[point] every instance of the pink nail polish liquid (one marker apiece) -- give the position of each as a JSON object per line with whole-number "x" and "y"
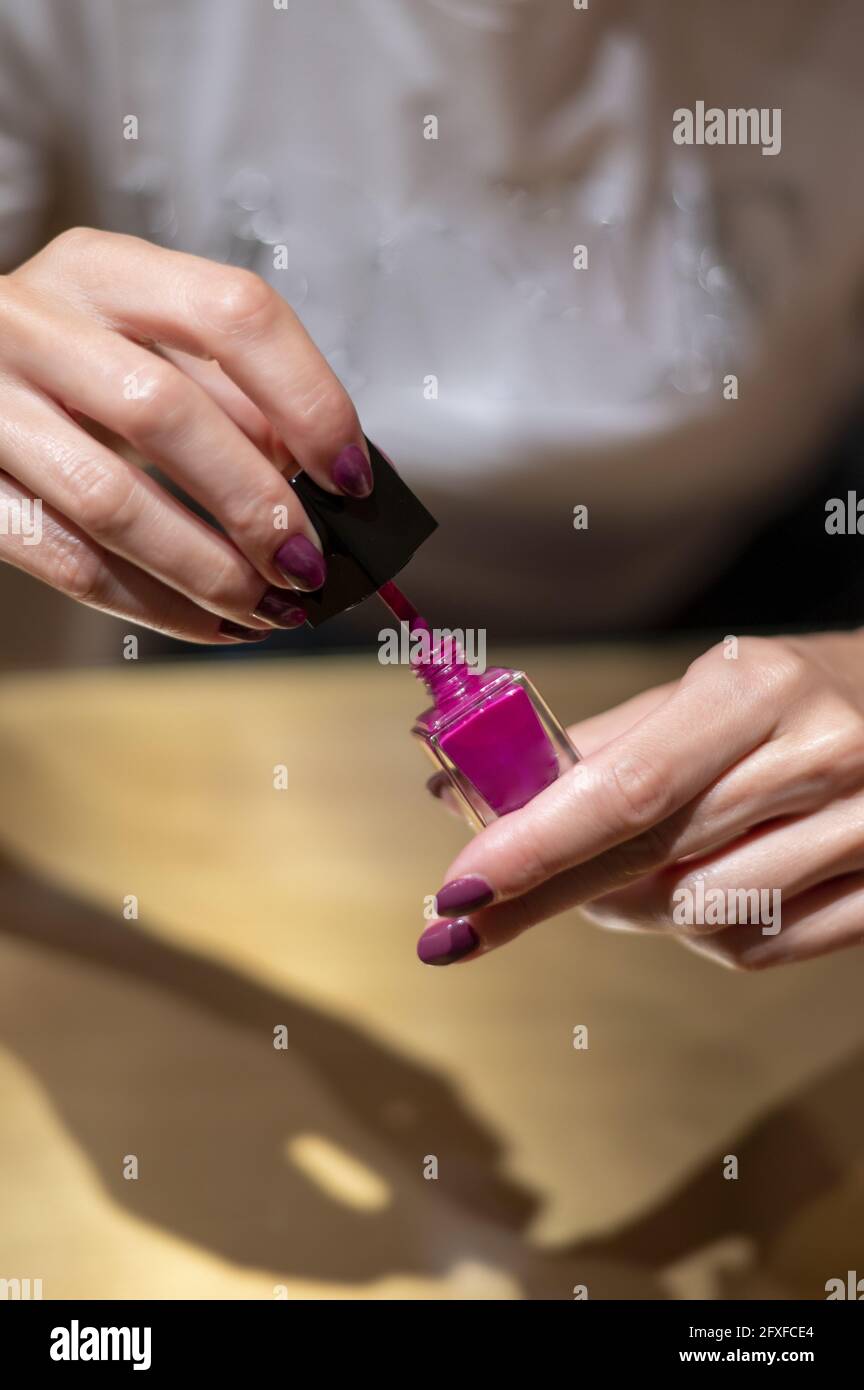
{"x": 492, "y": 734}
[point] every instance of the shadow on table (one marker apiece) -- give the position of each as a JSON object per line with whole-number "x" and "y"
{"x": 148, "y": 1049}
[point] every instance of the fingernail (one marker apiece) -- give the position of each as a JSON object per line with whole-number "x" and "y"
{"x": 441, "y": 788}
{"x": 445, "y": 942}
{"x": 240, "y": 633}
{"x": 352, "y": 472}
{"x": 301, "y": 562}
{"x": 277, "y": 608}
{"x": 463, "y": 895}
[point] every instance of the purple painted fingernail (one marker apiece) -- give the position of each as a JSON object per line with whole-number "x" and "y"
{"x": 441, "y": 788}
{"x": 240, "y": 633}
{"x": 301, "y": 562}
{"x": 444, "y": 942}
{"x": 463, "y": 895}
{"x": 277, "y": 608}
{"x": 352, "y": 472}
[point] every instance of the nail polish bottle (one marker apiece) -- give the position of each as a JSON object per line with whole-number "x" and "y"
{"x": 492, "y": 734}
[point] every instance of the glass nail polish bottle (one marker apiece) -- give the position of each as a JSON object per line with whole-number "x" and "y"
{"x": 492, "y": 734}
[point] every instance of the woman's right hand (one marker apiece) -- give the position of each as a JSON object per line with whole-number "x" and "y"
{"x": 206, "y": 372}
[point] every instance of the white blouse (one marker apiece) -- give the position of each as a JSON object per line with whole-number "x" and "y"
{"x": 416, "y": 177}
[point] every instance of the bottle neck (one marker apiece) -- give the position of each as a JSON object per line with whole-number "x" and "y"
{"x": 439, "y": 664}
{"x": 444, "y": 671}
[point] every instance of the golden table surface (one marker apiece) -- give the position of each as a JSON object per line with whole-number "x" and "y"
{"x": 298, "y": 1171}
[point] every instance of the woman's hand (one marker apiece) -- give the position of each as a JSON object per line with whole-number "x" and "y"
{"x": 726, "y": 810}
{"x": 207, "y": 373}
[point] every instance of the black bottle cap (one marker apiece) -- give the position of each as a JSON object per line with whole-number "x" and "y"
{"x": 365, "y": 541}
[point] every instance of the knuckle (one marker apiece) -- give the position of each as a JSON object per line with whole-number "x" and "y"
{"x": 764, "y": 668}
{"x": 75, "y": 241}
{"x": 774, "y": 663}
{"x": 640, "y": 792}
{"x": 102, "y": 497}
{"x": 704, "y": 663}
{"x": 157, "y": 403}
{"x": 756, "y": 651}
{"x": 239, "y": 304}
{"x": 78, "y": 571}
{"x": 837, "y": 761}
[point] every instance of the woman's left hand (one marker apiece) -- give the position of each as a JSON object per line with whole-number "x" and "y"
{"x": 726, "y": 809}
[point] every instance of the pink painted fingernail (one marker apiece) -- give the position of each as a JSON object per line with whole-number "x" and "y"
{"x": 446, "y": 942}
{"x": 279, "y": 608}
{"x": 464, "y": 894}
{"x": 301, "y": 562}
{"x": 352, "y": 472}
{"x": 238, "y": 633}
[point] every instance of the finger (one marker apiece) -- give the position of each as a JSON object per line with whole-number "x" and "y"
{"x": 627, "y": 789}
{"x": 783, "y": 860}
{"x": 229, "y": 315}
{"x": 123, "y": 509}
{"x": 174, "y": 423}
{"x": 756, "y": 878}
{"x": 61, "y": 555}
{"x": 439, "y": 786}
{"x": 827, "y": 918}
{"x": 237, "y": 406}
{"x": 485, "y": 928}
{"x": 470, "y": 936}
